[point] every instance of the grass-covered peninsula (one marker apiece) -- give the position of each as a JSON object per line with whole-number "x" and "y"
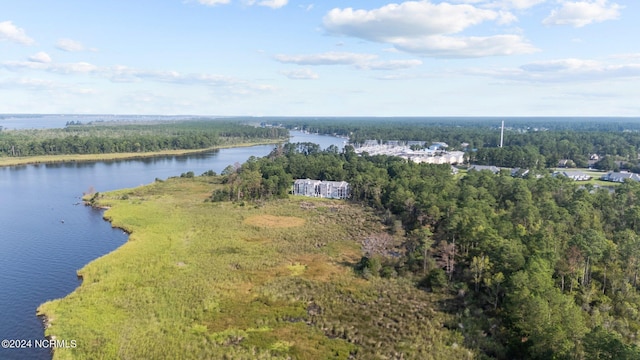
{"x": 214, "y": 280}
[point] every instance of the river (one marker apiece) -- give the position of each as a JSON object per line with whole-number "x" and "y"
{"x": 46, "y": 235}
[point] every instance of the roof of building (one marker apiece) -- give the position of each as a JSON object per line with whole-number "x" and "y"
{"x": 620, "y": 176}
{"x": 493, "y": 169}
{"x": 575, "y": 175}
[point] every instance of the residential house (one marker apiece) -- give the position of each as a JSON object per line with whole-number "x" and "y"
{"x": 334, "y": 189}
{"x": 493, "y": 169}
{"x": 573, "y": 175}
{"x": 323, "y": 189}
{"x": 620, "y": 176}
{"x": 518, "y": 172}
{"x": 306, "y": 187}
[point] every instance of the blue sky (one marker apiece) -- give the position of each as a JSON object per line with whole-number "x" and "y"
{"x": 328, "y": 58}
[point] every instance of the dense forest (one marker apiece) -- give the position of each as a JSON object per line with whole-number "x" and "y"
{"x": 116, "y": 137}
{"x": 535, "y": 268}
{"x": 528, "y": 142}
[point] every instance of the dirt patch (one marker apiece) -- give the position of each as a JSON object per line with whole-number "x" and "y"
{"x": 270, "y": 221}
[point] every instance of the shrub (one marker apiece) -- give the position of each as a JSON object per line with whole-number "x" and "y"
{"x": 436, "y": 279}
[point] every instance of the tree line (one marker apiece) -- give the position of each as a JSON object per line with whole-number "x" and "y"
{"x": 528, "y": 142}
{"x": 105, "y": 138}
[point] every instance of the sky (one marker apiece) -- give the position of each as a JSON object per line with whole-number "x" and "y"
{"x": 325, "y": 58}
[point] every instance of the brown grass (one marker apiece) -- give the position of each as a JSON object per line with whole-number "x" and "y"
{"x": 318, "y": 267}
{"x": 271, "y": 221}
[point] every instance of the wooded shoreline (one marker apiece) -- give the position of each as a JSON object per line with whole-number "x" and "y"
{"x": 53, "y": 159}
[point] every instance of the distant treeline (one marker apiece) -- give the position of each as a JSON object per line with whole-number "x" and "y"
{"x": 131, "y": 137}
{"x": 616, "y": 124}
{"x": 531, "y": 143}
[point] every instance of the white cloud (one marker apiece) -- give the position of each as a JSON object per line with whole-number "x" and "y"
{"x": 300, "y": 74}
{"x": 391, "y": 64}
{"x": 41, "y": 57}
{"x": 516, "y": 4}
{"x": 360, "y": 61}
{"x": 124, "y": 74}
{"x": 428, "y": 29}
{"x": 461, "y": 47}
{"x": 328, "y": 58}
{"x": 566, "y": 71}
{"x": 582, "y": 13}
{"x": 406, "y": 20}
{"x": 60, "y": 68}
{"x": 34, "y": 84}
{"x": 214, "y": 2}
{"x": 563, "y": 65}
{"x": 71, "y": 45}
{"x": 10, "y": 32}
{"x": 274, "y": 4}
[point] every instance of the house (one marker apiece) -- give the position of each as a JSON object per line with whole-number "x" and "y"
{"x": 306, "y": 187}
{"x": 455, "y": 157}
{"x": 564, "y": 163}
{"x": 594, "y": 157}
{"x": 573, "y": 175}
{"x": 620, "y": 176}
{"x": 323, "y": 189}
{"x": 493, "y": 169}
{"x": 334, "y": 189}
{"x": 518, "y": 172}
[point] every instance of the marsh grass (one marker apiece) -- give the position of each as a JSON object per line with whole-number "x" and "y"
{"x": 203, "y": 280}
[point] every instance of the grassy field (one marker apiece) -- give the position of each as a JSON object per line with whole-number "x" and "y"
{"x": 49, "y": 159}
{"x": 203, "y": 280}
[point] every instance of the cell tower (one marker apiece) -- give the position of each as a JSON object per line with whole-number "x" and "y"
{"x": 502, "y": 133}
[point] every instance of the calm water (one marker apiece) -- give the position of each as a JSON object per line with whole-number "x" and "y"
{"x": 46, "y": 236}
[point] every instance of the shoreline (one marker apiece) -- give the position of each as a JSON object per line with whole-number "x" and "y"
{"x": 53, "y": 159}
{"x": 52, "y": 310}
{"x": 41, "y": 312}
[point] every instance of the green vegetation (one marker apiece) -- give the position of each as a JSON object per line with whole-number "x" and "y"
{"x": 419, "y": 264}
{"x": 539, "y": 266}
{"x": 93, "y": 141}
{"x": 47, "y": 159}
{"x": 215, "y": 280}
{"x": 529, "y": 142}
